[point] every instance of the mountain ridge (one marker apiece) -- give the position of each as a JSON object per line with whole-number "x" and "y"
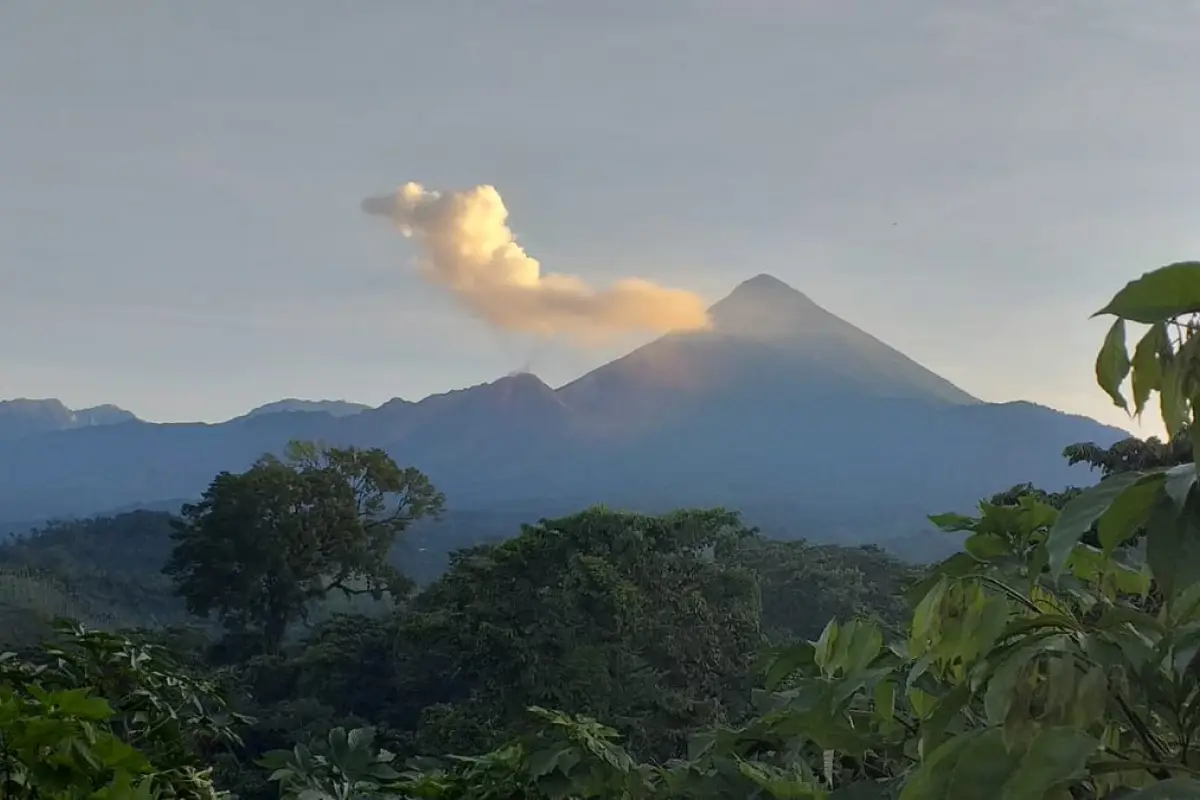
{"x": 780, "y": 404}
{"x": 25, "y": 416}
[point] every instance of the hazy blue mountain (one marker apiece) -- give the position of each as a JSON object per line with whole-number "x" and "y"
{"x": 24, "y": 417}
{"x": 337, "y": 408}
{"x": 809, "y": 425}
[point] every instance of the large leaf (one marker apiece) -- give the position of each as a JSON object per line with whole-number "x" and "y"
{"x": 1055, "y": 756}
{"x": 1173, "y": 789}
{"x": 951, "y": 522}
{"x": 1173, "y": 550}
{"x": 1112, "y": 363}
{"x": 782, "y": 664}
{"x": 1093, "y": 566}
{"x": 1147, "y": 364}
{"x": 983, "y": 767}
{"x": 931, "y": 781}
{"x": 1173, "y": 403}
{"x": 1081, "y": 514}
{"x": 1129, "y": 511}
{"x": 1162, "y": 294}
{"x": 1179, "y": 483}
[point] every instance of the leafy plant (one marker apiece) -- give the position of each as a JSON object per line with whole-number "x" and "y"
{"x": 59, "y": 745}
{"x": 145, "y": 701}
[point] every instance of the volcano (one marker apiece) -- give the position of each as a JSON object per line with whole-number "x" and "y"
{"x": 782, "y": 410}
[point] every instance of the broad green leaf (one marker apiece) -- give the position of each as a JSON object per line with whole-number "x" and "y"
{"x": 543, "y": 762}
{"x": 1055, "y": 757}
{"x": 1173, "y": 789}
{"x": 986, "y": 546}
{"x": 922, "y": 702}
{"x": 986, "y": 762}
{"x": 1002, "y": 687}
{"x": 925, "y": 618}
{"x": 824, "y": 649}
{"x": 1179, "y": 483}
{"x": 1036, "y": 514}
{"x": 948, "y": 707}
{"x": 857, "y": 681}
{"x": 785, "y": 662}
{"x": 1194, "y": 430}
{"x": 1147, "y": 364}
{"x": 1091, "y": 698}
{"x": 1184, "y": 610}
{"x": 1093, "y": 567}
{"x": 1080, "y": 514}
{"x": 1112, "y": 363}
{"x": 361, "y": 738}
{"x": 77, "y": 703}
{"x": 1185, "y": 646}
{"x": 885, "y": 700}
{"x": 1159, "y": 295}
{"x": 1173, "y": 550}
{"x": 1173, "y": 403}
{"x": 931, "y": 781}
{"x": 867, "y": 790}
{"x": 864, "y": 643}
{"x": 955, "y": 566}
{"x": 1129, "y": 511}
{"x": 951, "y": 522}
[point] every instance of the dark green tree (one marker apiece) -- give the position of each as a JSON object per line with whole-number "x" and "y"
{"x": 1133, "y": 454}
{"x": 644, "y": 621}
{"x": 262, "y": 546}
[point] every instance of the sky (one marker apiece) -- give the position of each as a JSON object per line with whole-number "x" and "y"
{"x": 180, "y": 184}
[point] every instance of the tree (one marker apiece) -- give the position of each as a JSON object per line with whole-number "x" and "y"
{"x": 803, "y": 586}
{"x": 642, "y": 621}
{"x": 262, "y": 546}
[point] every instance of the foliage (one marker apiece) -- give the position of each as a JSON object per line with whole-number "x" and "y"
{"x": 1133, "y": 455}
{"x": 262, "y": 546}
{"x": 133, "y": 543}
{"x": 565, "y": 757}
{"x": 638, "y": 620}
{"x": 108, "y": 712}
{"x": 803, "y": 586}
{"x": 57, "y": 745}
{"x": 104, "y": 572}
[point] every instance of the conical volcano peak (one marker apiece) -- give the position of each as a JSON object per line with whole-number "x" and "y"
{"x": 762, "y": 285}
{"x": 766, "y": 306}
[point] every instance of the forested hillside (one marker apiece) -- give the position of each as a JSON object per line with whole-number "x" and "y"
{"x": 272, "y": 641}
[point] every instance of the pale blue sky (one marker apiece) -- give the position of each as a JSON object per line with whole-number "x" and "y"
{"x": 179, "y": 182}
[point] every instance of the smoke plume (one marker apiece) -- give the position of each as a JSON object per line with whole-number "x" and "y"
{"x": 466, "y": 245}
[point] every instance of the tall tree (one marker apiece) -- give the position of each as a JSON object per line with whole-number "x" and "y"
{"x": 262, "y": 546}
{"x": 640, "y": 620}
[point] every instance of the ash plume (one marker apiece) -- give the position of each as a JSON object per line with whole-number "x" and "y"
{"x": 466, "y": 246}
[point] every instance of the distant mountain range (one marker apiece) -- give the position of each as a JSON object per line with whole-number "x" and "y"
{"x": 24, "y": 417}
{"x": 782, "y": 410}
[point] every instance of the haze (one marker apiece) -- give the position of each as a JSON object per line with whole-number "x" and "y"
{"x": 180, "y": 230}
